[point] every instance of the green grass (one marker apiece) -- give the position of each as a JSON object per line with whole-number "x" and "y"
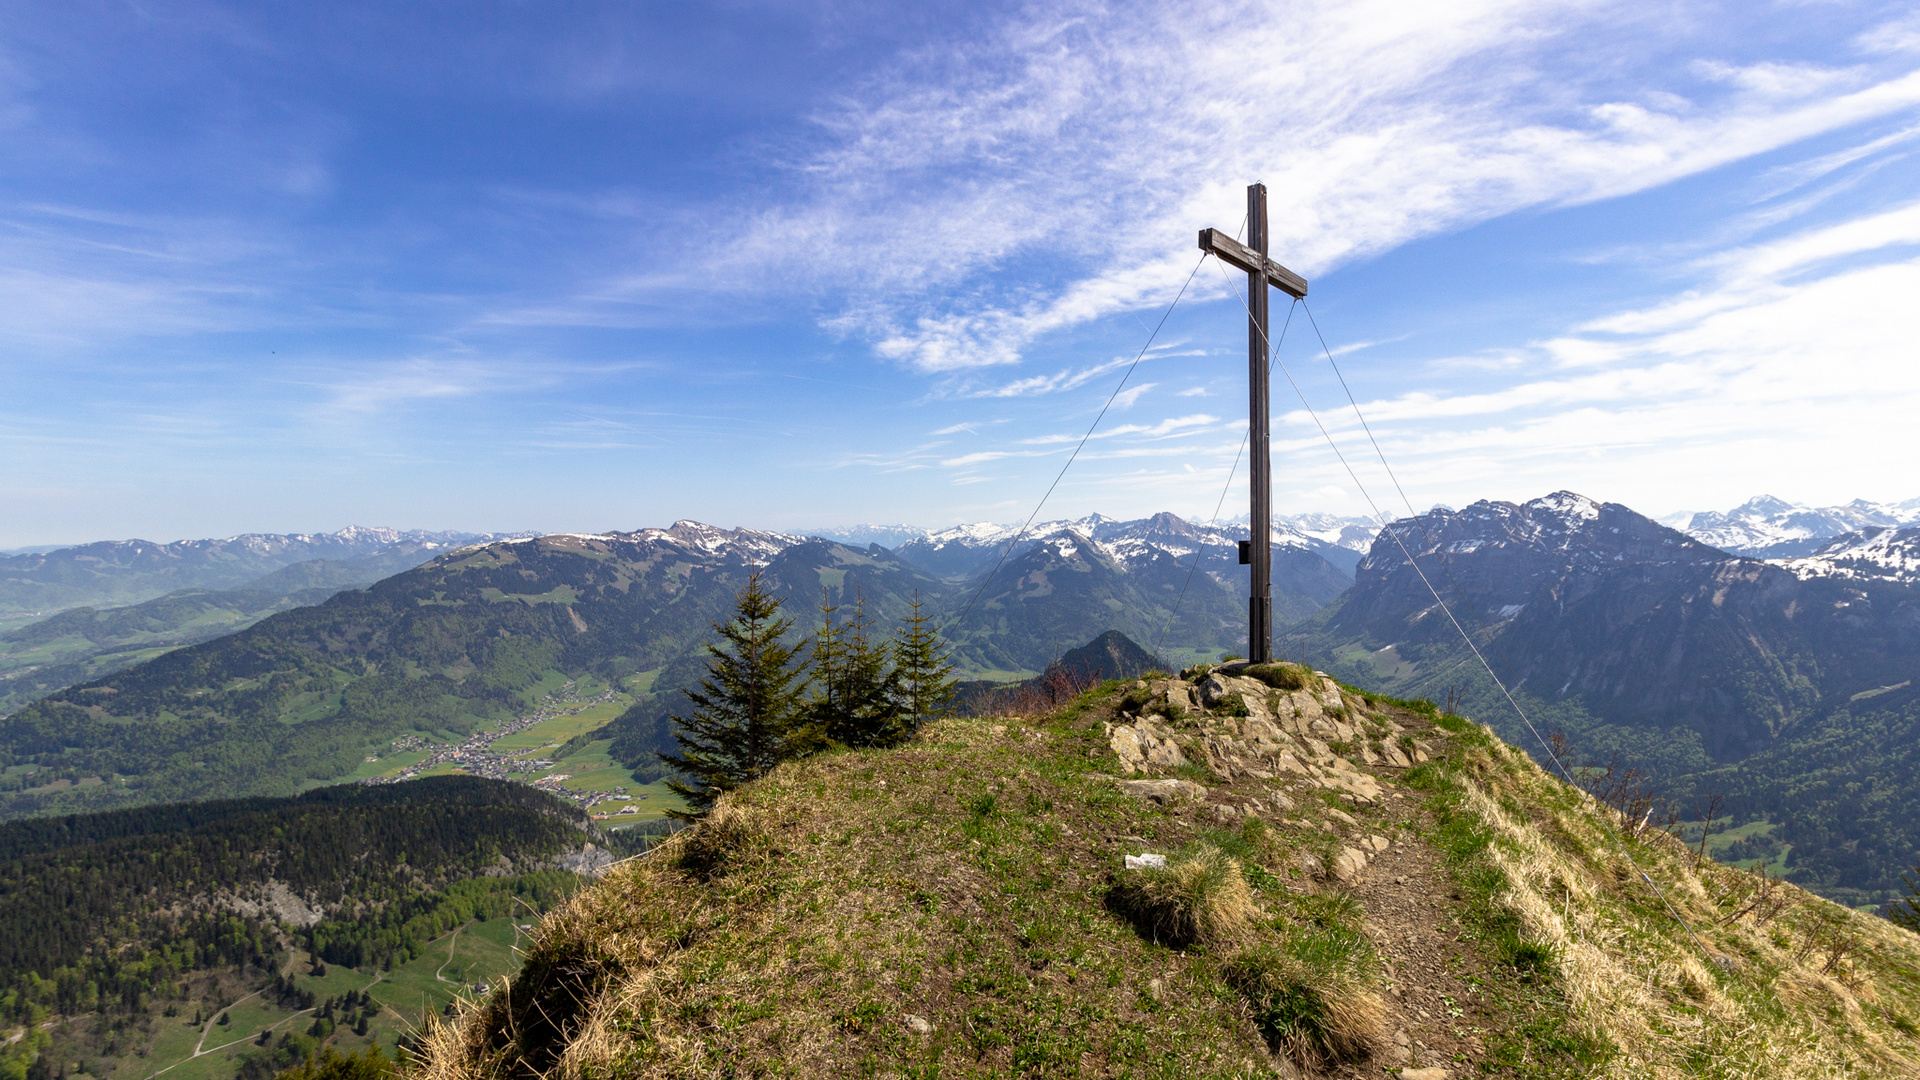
{"x": 561, "y": 728}
{"x": 387, "y": 765}
{"x": 478, "y": 953}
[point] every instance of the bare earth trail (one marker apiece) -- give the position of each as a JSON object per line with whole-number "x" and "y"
{"x": 452, "y": 940}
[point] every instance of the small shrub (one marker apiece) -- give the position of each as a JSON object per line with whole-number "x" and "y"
{"x": 1309, "y": 996}
{"x": 1280, "y": 676}
{"x": 1199, "y": 897}
{"x": 1235, "y": 706}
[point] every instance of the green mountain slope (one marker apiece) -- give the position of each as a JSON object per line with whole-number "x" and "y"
{"x": 447, "y": 648}
{"x": 86, "y": 643}
{"x": 1351, "y": 887}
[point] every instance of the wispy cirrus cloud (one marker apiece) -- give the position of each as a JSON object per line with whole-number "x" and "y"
{"x": 1176, "y": 425}
{"x": 1375, "y": 123}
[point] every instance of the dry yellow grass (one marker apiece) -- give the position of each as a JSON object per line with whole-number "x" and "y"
{"x": 1201, "y": 896}
{"x": 1811, "y": 990}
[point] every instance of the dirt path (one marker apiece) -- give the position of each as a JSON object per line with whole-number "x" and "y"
{"x": 452, "y": 940}
{"x": 1436, "y": 1012}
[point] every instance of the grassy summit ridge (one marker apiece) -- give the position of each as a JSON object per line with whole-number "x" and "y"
{"x": 1332, "y": 903}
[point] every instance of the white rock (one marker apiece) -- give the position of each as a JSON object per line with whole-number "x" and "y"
{"x": 919, "y": 1025}
{"x": 1348, "y": 864}
{"x": 1163, "y": 791}
{"x": 1148, "y": 861}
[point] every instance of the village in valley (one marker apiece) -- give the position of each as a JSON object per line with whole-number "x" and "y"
{"x": 549, "y": 748}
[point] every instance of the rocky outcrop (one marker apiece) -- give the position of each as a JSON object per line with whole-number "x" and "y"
{"x": 1236, "y": 726}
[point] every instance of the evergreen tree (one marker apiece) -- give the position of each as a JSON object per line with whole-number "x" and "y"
{"x": 1906, "y": 912}
{"x": 825, "y": 659}
{"x": 744, "y": 713}
{"x": 855, "y": 701}
{"x": 923, "y": 669}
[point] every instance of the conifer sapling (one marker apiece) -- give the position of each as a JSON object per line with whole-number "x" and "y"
{"x": 744, "y": 712}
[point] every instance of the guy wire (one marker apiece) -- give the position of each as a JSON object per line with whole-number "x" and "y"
{"x": 1200, "y": 549}
{"x": 1445, "y": 609}
{"x": 1005, "y": 551}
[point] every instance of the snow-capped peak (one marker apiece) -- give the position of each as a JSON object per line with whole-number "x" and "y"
{"x": 1568, "y": 506}
{"x": 1766, "y": 526}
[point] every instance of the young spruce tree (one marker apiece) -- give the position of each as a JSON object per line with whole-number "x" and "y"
{"x": 745, "y": 712}
{"x": 923, "y": 670}
{"x": 855, "y": 702}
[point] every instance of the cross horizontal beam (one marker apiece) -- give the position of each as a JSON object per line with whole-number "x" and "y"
{"x": 1236, "y": 254}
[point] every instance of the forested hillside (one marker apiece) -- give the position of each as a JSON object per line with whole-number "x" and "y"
{"x": 130, "y": 913}
{"x": 87, "y": 643}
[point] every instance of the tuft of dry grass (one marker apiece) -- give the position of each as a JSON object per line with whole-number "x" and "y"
{"x": 1311, "y": 996}
{"x": 731, "y": 839}
{"x": 1200, "y": 896}
{"x": 1280, "y": 676}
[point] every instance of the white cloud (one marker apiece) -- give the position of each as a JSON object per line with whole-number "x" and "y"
{"x": 1792, "y": 371}
{"x": 1373, "y": 123}
{"x": 1126, "y": 398}
{"x": 1178, "y": 425}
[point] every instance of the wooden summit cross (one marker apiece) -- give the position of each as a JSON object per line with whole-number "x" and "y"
{"x": 1261, "y": 272}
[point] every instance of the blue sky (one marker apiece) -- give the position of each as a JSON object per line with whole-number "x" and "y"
{"x": 578, "y": 267}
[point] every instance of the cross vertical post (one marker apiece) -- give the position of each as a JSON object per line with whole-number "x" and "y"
{"x": 1262, "y": 271}
{"x": 1260, "y": 520}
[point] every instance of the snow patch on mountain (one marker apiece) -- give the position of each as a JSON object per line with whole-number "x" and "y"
{"x": 1876, "y": 554}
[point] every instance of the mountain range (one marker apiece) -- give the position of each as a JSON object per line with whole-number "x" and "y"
{"x": 964, "y": 549}
{"x": 118, "y": 572}
{"x": 1765, "y": 527}
{"x": 458, "y": 643}
{"x": 1706, "y": 668}
{"x": 1710, "y": 671}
